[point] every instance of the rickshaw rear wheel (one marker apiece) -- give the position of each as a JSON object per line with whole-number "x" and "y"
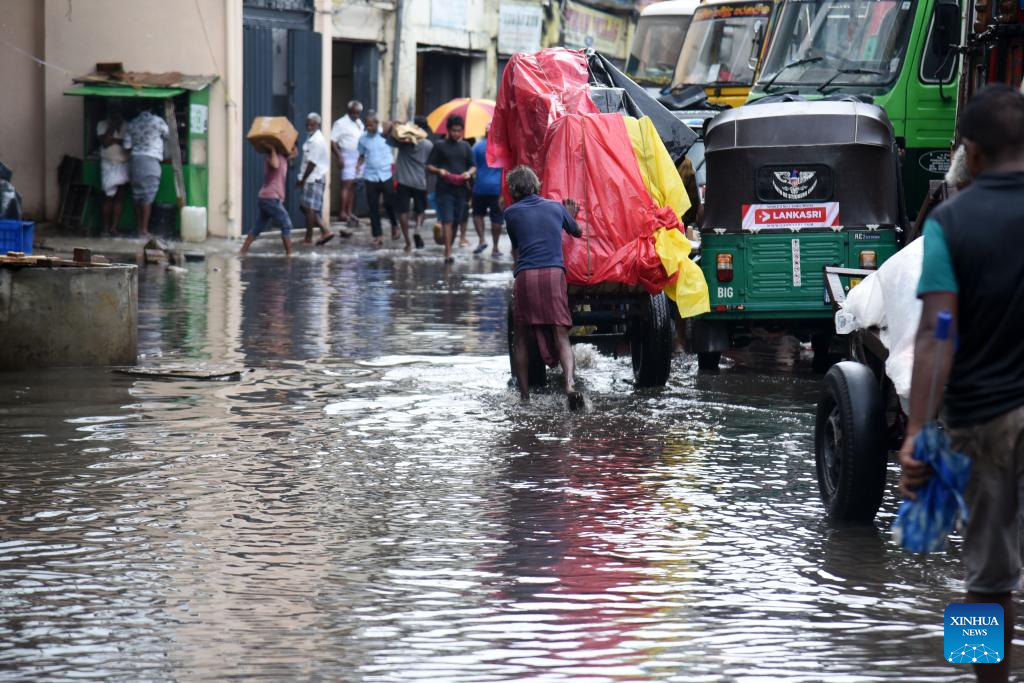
{"x": 538, "y": 373}
{"x": 651, "y": 340}
{"x": 850, "y": 452}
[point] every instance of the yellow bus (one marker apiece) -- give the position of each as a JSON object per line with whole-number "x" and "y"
{"x": 724, "y": 47}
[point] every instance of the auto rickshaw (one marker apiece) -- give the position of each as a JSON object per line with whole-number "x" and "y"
{"x": 792, "y": 187}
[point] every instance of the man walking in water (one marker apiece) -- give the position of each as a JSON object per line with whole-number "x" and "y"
{"x": 968, "y": 271}
{"x": 542, "y": 315}
{"x": 316, "y": 163}
{"x": 452, "y": 161}
{"x": 271, "y": 199}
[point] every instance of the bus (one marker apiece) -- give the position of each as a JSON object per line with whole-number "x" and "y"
{"x": 723, "y": 49}
{"x": 657, "y": 42}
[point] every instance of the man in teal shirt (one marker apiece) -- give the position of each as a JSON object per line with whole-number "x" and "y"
{"x": 974, "y": 268}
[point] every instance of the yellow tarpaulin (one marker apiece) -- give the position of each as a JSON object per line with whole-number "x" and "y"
{"x": 690, "y": 290}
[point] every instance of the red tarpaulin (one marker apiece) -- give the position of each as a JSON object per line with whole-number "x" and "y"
{"x": 590, "y": 159}
{"x": 536, "y": 89}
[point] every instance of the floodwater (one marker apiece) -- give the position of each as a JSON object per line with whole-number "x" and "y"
{"x": 372, "y": 503}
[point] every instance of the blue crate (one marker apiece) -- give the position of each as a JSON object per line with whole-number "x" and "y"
{"x": 16, "y": 236}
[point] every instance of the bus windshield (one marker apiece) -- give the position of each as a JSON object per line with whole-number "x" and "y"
{"x": 720, "y": 45}
{"x": 839, "y": 43}
{"x": 656, "y": 47}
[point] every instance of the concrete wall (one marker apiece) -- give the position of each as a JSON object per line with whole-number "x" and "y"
{"x": 148, "y": 35}
{"x": 97, "y": 309}
{"x": 21, "y": 101}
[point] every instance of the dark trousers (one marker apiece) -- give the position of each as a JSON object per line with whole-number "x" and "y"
{"x": 374, "y": 191}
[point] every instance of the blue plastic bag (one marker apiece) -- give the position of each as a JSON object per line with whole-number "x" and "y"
{"x": 922, "y": 525}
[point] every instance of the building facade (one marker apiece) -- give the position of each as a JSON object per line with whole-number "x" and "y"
{"x": 399, "y": 57}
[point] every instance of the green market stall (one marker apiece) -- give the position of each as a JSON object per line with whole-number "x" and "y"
{"x": 184, "y": 102}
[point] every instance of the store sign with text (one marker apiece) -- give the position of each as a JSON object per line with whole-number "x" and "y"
{"x": 519, "y": 28}
{"x": 794, "y": 216}
{"x": 448, "y": 14}
{"x": 587, "y": 27}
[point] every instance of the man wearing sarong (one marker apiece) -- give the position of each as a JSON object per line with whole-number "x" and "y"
{"x": 535, "y": 228}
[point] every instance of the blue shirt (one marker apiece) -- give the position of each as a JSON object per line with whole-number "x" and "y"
{"x": 488, "y": 179}
{"x": 535, "y": 228}
{"x": 378, "y": 156}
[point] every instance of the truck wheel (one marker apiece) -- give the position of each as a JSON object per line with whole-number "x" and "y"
{"x": 538, "y": 374}
{"x": 850, "y": 452}
{"x": 709, "y": 360}
{"x": 650, "y": 343}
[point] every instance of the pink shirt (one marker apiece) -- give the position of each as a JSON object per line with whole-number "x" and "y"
{"x": 274, "y": 178}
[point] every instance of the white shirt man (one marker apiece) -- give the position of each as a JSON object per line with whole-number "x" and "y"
{"x": 346, "y": 132}
{"x": 314, "y": 151}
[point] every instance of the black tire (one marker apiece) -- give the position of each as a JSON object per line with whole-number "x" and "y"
{"x": 850, "y": 443}
{"x": 709, "y": 360}
{"x": 538, "y": 373}
{"x": 651, "y": 342}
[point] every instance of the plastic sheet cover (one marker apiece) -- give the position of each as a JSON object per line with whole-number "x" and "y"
{"x": 590, "y": 159}
{"x": 536, "y": 90}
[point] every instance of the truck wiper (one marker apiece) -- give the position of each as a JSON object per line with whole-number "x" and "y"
{"x": 798, "y": 62}
{"x": 840, "y": 71}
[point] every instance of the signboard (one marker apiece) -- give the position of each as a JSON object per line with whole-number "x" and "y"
{"x": 794, "y": 216}
{"x": 587, "y": 27}
{"x": 448, "y": 14}
{"x": 198, "y": 115}
{"x": 519, "y": 28}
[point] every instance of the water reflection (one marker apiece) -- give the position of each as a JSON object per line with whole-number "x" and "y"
{"x": 372, "y": 503}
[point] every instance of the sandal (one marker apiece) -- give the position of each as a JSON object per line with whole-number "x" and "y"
{"x": 325, "y": 239}
{"x": 418, "y": 240}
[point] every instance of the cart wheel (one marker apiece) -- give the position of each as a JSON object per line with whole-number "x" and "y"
{"x": 709, "y": 360}
{"x": 850, "y": 451}
{"x": 538, "y": 374}
{"x": 650, "y": 343}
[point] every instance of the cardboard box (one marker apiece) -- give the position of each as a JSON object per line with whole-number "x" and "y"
{"x": 277, "y": 130}
{"x": 408, "y": 132}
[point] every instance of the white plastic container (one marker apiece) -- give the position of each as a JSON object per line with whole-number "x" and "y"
{"x": 193, "y": 224}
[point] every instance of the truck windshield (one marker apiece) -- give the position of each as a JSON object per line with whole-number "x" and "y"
{"x": 720, "y": 43}
{"x": 837, "y": 43}
{"x": 656, "y": 47}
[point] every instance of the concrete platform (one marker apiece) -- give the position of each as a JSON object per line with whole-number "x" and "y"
{"x": 68, "y": 316}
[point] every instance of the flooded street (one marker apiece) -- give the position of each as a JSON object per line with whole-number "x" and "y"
{"x": 372, "y": 503}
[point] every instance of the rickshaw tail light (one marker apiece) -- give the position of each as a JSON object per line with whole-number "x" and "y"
{"x": 868, "y": 260}
{"x": 723, "y": 267}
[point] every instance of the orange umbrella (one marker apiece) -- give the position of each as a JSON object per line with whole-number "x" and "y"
{"x": 477, "y": 114}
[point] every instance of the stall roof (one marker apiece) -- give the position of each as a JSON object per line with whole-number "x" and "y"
{"x": 111, "y": 80}
{"x": 123, "y": 91}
